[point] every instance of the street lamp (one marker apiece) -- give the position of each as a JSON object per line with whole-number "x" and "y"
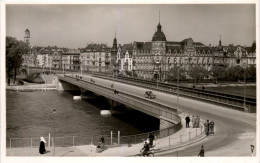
{"x": 54, "y": 112}
{"x": 178, "y": 86}
{"x": 245, "y": 109}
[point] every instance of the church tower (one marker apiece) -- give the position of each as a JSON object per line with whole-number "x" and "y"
{"x": 114, "y": 52}
{"x": 27, "y": 37}
{"x": 159, "y": 53}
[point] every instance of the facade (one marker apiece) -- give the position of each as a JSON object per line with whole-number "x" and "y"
{"x": 70, "y": 60}
{"x": 125, "y": 58}
{"x": 95, "y": 58}
{"x": 153, "y": 60}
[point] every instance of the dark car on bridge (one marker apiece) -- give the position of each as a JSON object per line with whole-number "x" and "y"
{"x": 149, "y": 94}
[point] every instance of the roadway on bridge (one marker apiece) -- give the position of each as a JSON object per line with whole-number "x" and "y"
{"x": 235, "y": 131}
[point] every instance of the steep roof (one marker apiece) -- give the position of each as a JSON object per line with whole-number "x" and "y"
{"x": 143, "y": 45}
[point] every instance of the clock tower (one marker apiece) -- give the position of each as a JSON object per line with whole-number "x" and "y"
{"x": 159, "y": 53}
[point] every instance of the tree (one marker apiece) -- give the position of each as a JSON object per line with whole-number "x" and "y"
{"x": 218, "y": 72}
{"x": 173, "y": 73}
{"x": 197, "y": 73}
{"x": 251, "y": 72}
{"x": 14, "y": 51}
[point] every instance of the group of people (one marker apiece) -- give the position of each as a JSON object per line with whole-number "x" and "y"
{"x": 195, "y": 121}
{"x": 209, "y": 127}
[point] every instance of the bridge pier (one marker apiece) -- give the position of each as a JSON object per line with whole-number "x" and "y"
{"x": 112, "y": 104}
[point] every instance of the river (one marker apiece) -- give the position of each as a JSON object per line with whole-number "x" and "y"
{"x": 29, "y": 114}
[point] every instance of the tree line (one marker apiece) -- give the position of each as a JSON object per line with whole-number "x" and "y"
{"x": 217, "y": 73}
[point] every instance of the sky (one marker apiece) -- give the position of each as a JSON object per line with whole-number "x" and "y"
{"x": 75, "y": 26}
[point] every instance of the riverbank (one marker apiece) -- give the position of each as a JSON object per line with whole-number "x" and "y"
{"x": 33, "y": 87}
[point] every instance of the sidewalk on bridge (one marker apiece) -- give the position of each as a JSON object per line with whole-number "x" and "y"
{"x": 123, "y": 150}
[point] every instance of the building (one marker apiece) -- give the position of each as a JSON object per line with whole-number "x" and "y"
{"x": 125, "y": 58}
{"x": 27, "y": 37}
{"x": 70, "y": 60}
{"x": 95, "y": 58}
{"x": 153, "y": 60}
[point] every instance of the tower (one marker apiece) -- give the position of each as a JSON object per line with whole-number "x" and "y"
{"x": 27, "y": 37}
{"x": 114, "y": 52}
{"x": 159, "y": 52}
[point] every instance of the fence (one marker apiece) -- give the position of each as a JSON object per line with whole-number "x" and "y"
{"x": 111, "y": 140}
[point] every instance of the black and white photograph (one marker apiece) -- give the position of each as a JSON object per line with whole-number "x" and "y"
{"x": 129, "y": 80}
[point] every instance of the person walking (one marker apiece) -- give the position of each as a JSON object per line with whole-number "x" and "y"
{"x": 206, "y": 125}
{"x": 201, "y": 154}
{"x": 211, "y": 127}
{"x": 42, "y": 149}
{"x": 193, "y": 121}
{"x": 187, "y": 121}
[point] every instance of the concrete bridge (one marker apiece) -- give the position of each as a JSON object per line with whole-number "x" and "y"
{"x": 167, "y": 114}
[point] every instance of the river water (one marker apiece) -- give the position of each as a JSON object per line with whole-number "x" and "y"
{"x": 29, "y": 114}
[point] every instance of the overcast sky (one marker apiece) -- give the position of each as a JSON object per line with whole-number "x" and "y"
{"x": 75, "y": 26}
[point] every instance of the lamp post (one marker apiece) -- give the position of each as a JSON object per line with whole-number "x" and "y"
{"x": 157, "y": 76}
{"x": 178, "y": 87}
{"x": 81, "y": 68}
{"x": 28, "y": 70}
{"x": 245, "y": 109}
{"x": 50, "y": 63}
{"x": 54, "y": 112}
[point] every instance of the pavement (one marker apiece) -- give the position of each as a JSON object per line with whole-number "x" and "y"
{"x": 186, "y": 135}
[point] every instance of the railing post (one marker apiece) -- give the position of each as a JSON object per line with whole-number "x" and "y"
{"x": 169, "y": 141}
{"x": 111, "y": 137}
{"x": 10, "y": 143}
{"x": 49, "y": 141}
{"x": 118, "y": 137}
{"x": 91, "y": 139}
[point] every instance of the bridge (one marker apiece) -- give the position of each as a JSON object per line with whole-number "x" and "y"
{"x": 167, "y": 114}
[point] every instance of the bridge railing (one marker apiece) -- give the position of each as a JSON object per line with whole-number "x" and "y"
{"x": 225, "y": 100}
{"x": 148, "y": 106}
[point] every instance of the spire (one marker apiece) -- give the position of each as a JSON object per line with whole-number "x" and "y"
{"x": 159, "y": 16}
{"x": 220, "y": 40}
{"x": 115, "y": 31}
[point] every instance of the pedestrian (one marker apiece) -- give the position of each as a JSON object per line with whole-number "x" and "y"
{"x": 211, "y": 127}
{"x": 102, "y": 139}
{"x": 203, "y": 87}
{"x": 115, "y": 91}
{"x": 42, "y": 149}
{"x": 151, "y": 139}
{"x": 206, "y": 125}
{"x": 201, "y": 154}
{"x": 197, "y": 122}
{"x": 193, "y": 121}
{"x": 187, "y": 121}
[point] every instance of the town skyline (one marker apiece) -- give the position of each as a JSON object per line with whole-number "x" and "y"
{"x": 50, "y": 25}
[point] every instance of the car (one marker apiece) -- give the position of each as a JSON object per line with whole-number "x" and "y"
{"x": 149, "y": 94}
